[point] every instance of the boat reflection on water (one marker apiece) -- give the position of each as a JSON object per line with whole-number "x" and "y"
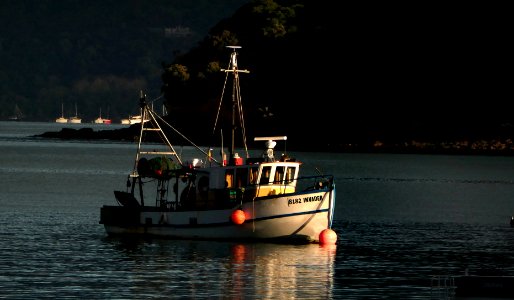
{"x": 225, "y": 270}
{"x": 282, "y": 271}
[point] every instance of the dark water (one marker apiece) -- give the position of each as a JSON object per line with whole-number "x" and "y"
{"x": 400, "y": 220}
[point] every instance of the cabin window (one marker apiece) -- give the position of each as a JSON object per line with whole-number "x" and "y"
{"x": 229, "y": 178}
{"x": 290, "y": 174}
{"x": 266, "y": 172}
{"x": 279, "y": 174}
{"x": 241, "y": 177}
{"x": 253, "y": 171}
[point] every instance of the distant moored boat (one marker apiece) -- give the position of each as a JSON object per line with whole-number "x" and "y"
{"x": 99, "y": 120}
{"x": 75, "y": 119}
{"x": 61, "y": 119}
{"x": 18, "y": 115}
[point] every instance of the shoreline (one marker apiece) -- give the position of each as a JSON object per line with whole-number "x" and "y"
{"x": 484, "y": 147}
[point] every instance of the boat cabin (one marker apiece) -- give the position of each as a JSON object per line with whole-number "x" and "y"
{"x": 205, "y": 186}
{"x": 267, "y": 178}
{"x": 240, "y": 181}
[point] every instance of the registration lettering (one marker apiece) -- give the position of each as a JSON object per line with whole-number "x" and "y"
{"x": 304, "y": 200}
{"x": 294, "y": 201}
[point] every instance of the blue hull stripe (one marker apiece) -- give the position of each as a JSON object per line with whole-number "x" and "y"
{"x": 228, "y": 223}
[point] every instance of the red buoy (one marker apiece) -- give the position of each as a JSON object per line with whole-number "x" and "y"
{"x": 327, "y": 236}
{"x": 238, "y": 217}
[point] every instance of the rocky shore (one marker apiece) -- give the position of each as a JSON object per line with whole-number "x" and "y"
{"x": 123, "y": 134}
{"x": 503, "y": 147}
{"x": 499, "y": 146}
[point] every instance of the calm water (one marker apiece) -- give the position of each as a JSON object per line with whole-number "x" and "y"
{"x": 400, "y": 219}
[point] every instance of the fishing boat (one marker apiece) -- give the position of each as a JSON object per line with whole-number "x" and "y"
{"x": 255, "y": 198}
{"x": 62, "y": 119}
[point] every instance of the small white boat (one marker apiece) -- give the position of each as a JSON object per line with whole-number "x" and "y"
{"x": 99, "y": 120}
{"x": 133, "y": 120}
{"x": 61, "y": 119}
{"x": 75, "y": 119}
{"x": 136, "y": 119}
{"x": 261, "y": 198}
{"x": 18, "y": 115}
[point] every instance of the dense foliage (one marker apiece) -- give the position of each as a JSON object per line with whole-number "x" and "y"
{"x": 344, "y": 74}
{"x": 285, "y": 45}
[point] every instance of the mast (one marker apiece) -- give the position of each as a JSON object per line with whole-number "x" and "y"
{"x": 236, "y": 98}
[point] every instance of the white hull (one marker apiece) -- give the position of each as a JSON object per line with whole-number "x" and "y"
{"x": 132, "y": 120}
{"x": 61, "y": 119}
{"x": 268, "y": 219}
{"x": 101, "y": 120}
{"x": 136, "y": 120}
{"x": 75, "y": 120}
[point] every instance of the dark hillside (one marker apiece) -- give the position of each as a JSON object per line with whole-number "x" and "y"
{"x": 353, "y": 76}
{"x": 96, "y": 54}
{"x": 361, "y": 74}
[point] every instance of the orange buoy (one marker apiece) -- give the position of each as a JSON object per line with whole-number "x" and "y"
{"x": 327, "y": 236}
{"x": 238, "y": 217}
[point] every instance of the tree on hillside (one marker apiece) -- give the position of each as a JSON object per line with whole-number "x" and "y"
{"x": 272, "y": 35}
